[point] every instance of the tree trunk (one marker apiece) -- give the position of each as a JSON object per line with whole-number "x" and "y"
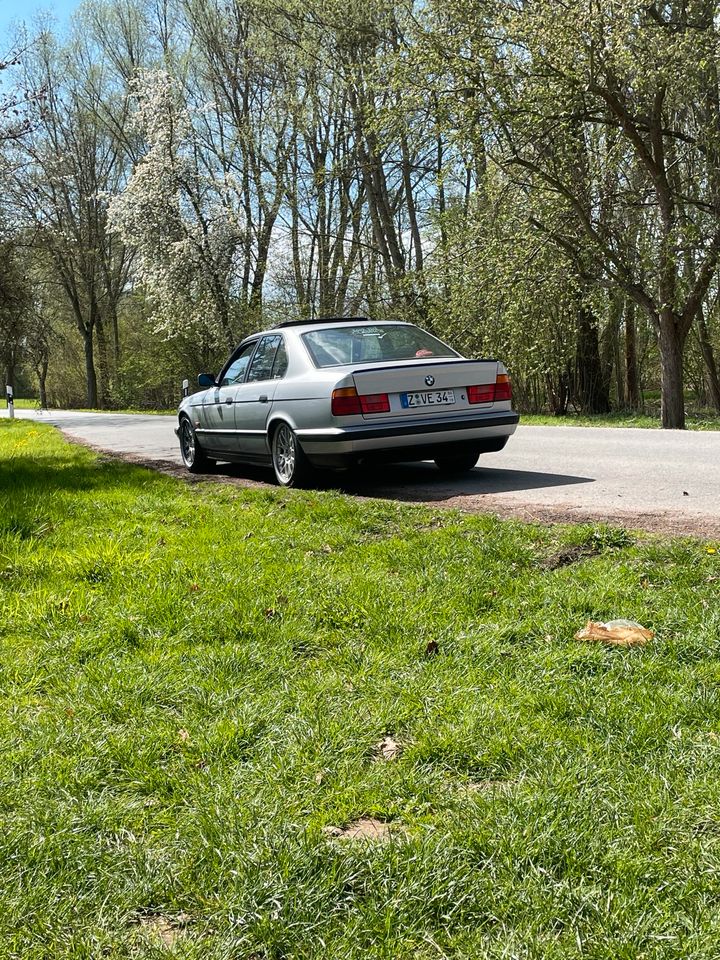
{"x": 711, "y": 370}
{"x": 672, "y": 400}
{"x": 558, "y": 394}
{"x": 90, "y": 375}
{"x": 10, "y": 372}
{"x": 632, "y": 379}
{"x": 609, "y": 349}
{"x": 116, "y": 344}
{"x": 592, "y": 389}
{"x": 103, "y": 362}
{"x": 41, "y": 370}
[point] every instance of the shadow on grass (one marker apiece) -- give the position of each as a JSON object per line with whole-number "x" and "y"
{"x": 24, "y": 476}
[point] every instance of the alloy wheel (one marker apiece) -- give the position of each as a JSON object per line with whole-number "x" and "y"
{"x": 187, "y": 443}
{"x": 284, "y": 453}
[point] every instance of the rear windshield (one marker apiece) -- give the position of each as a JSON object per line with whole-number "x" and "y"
{"x": 335, "y": 346}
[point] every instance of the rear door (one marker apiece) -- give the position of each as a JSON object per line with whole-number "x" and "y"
{"x": 254, "y": 398}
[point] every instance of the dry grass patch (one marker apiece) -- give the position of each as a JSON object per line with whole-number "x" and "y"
{"x": 366, "y": 828}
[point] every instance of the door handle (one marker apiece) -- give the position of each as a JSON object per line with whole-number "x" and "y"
{"x": 228, "y": 400}
{"x": 263, "y": 398}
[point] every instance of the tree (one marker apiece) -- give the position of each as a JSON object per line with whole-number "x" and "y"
{"x": 180, "y": 221}
{"x": 14, "y": 307}
{"x": 635, "y": 86}
{"x": 66, "y": 160}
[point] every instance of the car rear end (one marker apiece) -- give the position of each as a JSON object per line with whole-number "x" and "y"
{"x": 420, "y": 407}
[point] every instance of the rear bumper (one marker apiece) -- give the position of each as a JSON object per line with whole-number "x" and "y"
{"x": 349, "y": 441}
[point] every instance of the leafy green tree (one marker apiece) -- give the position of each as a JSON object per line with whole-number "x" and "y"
{"x": 571, "y": 91}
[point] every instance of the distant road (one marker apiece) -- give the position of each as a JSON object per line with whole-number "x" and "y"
{"x": 654, "y": 479}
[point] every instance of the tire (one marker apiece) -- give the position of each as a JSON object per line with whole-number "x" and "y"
{"x": 292, "y": 468}
{"x": 458, "y": 462}
{"x": 193, "y": 455}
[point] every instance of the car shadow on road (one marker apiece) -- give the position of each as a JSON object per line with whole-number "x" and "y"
{"x": 418, "y": 482}
{"x": 423, "y": 482}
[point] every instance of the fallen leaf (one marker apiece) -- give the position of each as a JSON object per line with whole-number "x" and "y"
{"x": 388, "y": 749}
{"x": 183, "y": 735}
{"x": 617, "y": 633}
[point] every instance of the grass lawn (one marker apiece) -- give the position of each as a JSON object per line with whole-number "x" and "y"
{"x": 30, "y": 404}
{"x": 619, "y": 419}
{"x": 195, "y": 681}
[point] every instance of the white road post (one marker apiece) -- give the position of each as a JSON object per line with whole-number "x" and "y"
{"x": 10, "y": 401}
{"x": 186, "y": 387}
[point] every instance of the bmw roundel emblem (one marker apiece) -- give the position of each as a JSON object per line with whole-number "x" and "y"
{"x": 429, "y": 380}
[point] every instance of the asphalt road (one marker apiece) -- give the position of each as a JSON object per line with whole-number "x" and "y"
{"x": 652, "y": 479}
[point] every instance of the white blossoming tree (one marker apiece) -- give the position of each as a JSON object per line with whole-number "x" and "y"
{"x": 178, "y": 216}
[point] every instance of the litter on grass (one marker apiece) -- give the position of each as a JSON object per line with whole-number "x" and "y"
{"x": 616, "y": 633}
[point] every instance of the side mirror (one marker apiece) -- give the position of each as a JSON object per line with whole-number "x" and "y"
{"x": 206, "y": 380}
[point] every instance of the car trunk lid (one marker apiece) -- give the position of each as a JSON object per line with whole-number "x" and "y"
{"x": 425, "y": 388}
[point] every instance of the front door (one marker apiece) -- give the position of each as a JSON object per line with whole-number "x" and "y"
{"x": 218, "y": 414}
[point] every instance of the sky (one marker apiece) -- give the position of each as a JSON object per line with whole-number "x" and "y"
{"x": 11, "y": 10}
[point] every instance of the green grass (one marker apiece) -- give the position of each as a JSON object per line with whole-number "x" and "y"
{"x": 618, "y": 419}
{"x": 31, "y": 404}
{"x": 194, "y": 679}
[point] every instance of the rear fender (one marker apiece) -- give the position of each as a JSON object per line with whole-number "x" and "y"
{"x": 280, "y": 417}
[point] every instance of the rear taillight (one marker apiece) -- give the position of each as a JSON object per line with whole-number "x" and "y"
{"x": 375, "y": 403}
{"x": 484, "y": 393}
{"x": 491, "y": 392}
{"x": 503, "y": 387}
{"x": 346, "y": 402}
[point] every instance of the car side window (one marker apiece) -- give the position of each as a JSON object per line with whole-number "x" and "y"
{"x": 261, "y": 367}
{"x": 235, "y": 373}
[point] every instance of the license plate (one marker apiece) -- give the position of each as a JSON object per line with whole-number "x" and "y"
{"x": 427, "y": 398}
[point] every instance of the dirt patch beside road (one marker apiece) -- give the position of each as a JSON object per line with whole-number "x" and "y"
{"x": 661, "y": 522}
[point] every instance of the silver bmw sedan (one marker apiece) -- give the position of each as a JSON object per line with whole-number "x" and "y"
{"x": 328, "y": 394}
